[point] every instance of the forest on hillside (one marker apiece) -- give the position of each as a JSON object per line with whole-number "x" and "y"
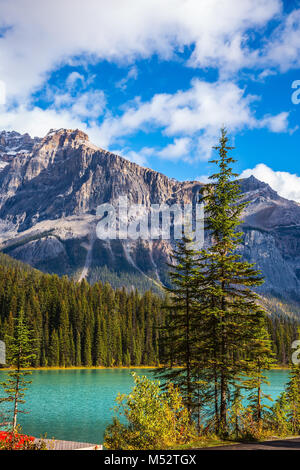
{"x": 96, "y": 325}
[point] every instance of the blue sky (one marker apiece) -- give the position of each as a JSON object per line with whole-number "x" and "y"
{"x": 154, "y": 81}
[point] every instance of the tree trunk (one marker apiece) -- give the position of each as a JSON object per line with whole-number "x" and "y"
{"x": 216, "y": 402}
{"x": 188, "y": 355}
{"x": 259, "y": 403}
{"x": 16, "y": 406}
{"x": 223, "y": 405}
{"x": 223, "y": 381}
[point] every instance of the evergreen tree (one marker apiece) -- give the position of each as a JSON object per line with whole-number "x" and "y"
{"x": 60, "y": 312}
{"x": 293, "y": 397}
{"x": 78, "y": 350}
{"x": 54, "y": 349}
{"x": 260, "y": 359}
{"x": 230, "y": 318}
{"x": 179, "y": 328}
{"x": 20, "y": 355}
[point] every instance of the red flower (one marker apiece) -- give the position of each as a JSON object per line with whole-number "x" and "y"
{"x": 15, "y": 441}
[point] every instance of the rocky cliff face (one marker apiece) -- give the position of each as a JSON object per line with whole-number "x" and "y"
{"x": 50, "y": 189}
{"x": 12, "y": 143}
{"x": 272, "y": 238}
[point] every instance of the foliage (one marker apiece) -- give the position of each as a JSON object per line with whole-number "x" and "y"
{"x": 20, "y": 353}
{"x": 260, "y": 359}
{"x": 293, "y": 396}
{"x": 284, "y": 416}
{"x": 17, "y": 441}
{"x": 216, "y": 327}
{"x": 156, "y": 419}
{"x": 232, "y": 321}
{"x": 180, "y": 331}
{"x": 79, "y": 324}
{"x": 277, "y": 417}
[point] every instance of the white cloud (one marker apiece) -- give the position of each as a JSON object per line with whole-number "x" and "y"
{"x": 132, "y": 75}
{"x": 88, "y": 105}
{"x": 203, "y": 179}
{"x": 282, "y": 49}
{"x": 265, "y": 74}
{"x": 37, "y": 121}
{"x": 286, "y": 184}
{"x": 74, "y": 77}
{"x": 74, "y": 98}
{"x": 180, "y": 148}
{"x": 41, "y": 35}
{"x": 139, "y": 157}
{"x": 277, "y": 123}
{"x": 198, "y": 112}
{"x": 191, "y": 118}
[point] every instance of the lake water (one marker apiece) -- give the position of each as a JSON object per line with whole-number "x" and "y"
{"x": 77, "y": 405}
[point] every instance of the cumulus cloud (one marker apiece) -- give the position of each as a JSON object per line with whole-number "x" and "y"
{"x": 37, "y": 121}
{"x": 203, "y": 179}
{"x": 286, "y": 184}
{"x": 90, "y": 104}
{"x": 139, "y": 157}
{"x": 73, "y": 78}
{"x": 131, "y": 75}
{"x": 39, "y": 36}
{"x": 198, "y": 112}
{"x": 180, "y": 148}
{"x": 282, "y": 49}
{"x": 277, "y": 123}
{"x": 190, "y": 118}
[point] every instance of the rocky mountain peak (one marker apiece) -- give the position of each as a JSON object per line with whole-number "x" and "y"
{"x": 253, "y": 184}
{"x": 13, "y": 143}
{"x": 63, "y": 138}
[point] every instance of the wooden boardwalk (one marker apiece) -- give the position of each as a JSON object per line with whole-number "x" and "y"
{"x": 54, "y": 444}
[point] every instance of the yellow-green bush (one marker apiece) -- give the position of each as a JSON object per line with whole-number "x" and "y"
{"x": 155, "y": 419}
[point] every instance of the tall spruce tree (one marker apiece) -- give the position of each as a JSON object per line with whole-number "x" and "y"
{"x": 231, "y": 316}
{"x": 20, "y": 356}
{"x": 178, "y": 355}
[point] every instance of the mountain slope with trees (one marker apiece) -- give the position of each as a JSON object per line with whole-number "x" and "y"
{"x": 78, "y": 324}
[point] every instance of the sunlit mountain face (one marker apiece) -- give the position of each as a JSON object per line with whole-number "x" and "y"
{"x": 52, "y": 186}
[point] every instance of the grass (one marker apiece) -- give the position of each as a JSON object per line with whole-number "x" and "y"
{"x": 203, "y": 442}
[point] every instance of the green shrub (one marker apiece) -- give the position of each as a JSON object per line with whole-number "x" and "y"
{"x": 155, "y": 419}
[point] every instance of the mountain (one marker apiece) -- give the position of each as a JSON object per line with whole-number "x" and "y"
{"x": 13, "y": 143}
{"x": 50, "y": 189}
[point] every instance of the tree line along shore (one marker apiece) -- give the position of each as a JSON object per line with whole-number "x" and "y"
{"x": 82, "y": 325}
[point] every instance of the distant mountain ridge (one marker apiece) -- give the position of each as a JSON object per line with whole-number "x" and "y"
{"x": 50, "y": 189}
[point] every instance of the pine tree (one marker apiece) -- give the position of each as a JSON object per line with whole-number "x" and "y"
{"x": 231, "y": 315}
{"x": 179, "y": 328}
{"x": 260, "y": 359}
{"x": 87, "y": 350}
{"x": 54, "y": 349}
{"x": 78, "y": 350}
{"x": 20, "y": 355}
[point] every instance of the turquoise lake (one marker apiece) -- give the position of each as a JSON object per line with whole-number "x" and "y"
{"x": 77, "y": 405}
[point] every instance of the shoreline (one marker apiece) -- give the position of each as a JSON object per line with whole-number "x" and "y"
{"x": 82, "y": 368}
{"x": 111, "y": 368}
